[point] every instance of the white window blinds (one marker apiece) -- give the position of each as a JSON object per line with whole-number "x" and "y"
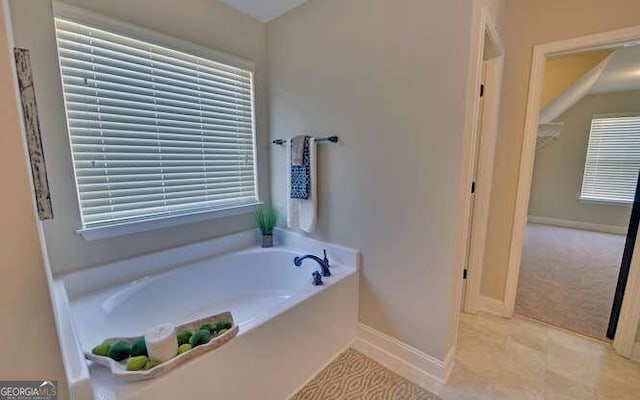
{"x": 613, "y": 159}
{"x": 154, "y": 132}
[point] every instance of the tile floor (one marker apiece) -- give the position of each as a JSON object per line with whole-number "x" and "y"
{"x": 520, "y": 359}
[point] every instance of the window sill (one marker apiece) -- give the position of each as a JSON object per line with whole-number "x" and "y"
{"x": 604, "y": 202}
{"x": 127, "y": 228}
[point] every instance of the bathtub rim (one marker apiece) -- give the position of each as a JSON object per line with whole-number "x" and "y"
{"x": 93, "y": 279}
{"x": 295, "y": 295}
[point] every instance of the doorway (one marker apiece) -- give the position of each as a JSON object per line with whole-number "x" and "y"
{"x": 488, "y": 86}
{"x": 584, "y": 179}
{"x": 630, "y": 304}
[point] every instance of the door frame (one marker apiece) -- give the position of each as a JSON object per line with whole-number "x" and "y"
{"x": 625, "y": 265}
{"x": 625, "y": 336}
{"x": 491, "y": 53}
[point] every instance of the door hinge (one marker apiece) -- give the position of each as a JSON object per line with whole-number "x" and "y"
{"x": 481, "y": 90}
{"x": 464, "y": 274}
{"x": 473, "y": 187}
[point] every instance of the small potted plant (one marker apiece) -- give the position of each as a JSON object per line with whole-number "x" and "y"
{"x": 266, "y": 217}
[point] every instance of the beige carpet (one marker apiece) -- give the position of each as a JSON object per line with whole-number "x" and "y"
{"x": 353, "y": 376}
{"x": 568, "y": 277}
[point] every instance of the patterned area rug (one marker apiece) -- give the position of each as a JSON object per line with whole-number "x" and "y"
{"x": 353, "y": 376}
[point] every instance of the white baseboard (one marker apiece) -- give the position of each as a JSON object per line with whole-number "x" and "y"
{"x": 491, "y": 305}
{"x": 565, "y": 223}
{"x": 412, "y": 364}
{"x": 635, "y": 353}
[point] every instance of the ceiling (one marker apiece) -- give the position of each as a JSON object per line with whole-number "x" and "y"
{"x": 622, "y": 73}
{"x": 619, "y": 72}
{"x": 264, "y": 10}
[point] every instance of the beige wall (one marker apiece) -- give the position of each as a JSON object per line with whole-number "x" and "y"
{"x": 389, "y": 78}
{"x": 562, "y": 71}
{"x": 496, "y": 8}
{"x": 28, "y": 342}
{"x": 205, "y": 22}
{"x": 533, "y": 22}
{"x": 559, "y": 165}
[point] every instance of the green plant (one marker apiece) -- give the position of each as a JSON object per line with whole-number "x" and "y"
{"x": 266, "y": 217}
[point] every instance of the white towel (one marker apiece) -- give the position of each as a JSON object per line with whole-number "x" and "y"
{"x": 301, "y": 213}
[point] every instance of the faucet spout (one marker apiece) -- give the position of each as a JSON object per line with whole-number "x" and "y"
{"x": 324, "y": 264}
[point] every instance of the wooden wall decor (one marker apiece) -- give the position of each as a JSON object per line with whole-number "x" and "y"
{"x": 32, "y": 130}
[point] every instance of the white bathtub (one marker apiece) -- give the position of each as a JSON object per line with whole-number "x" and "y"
{"x": 288, "y": 328}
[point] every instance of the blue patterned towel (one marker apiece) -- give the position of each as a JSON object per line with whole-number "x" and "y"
{"x": 301, "y": 174}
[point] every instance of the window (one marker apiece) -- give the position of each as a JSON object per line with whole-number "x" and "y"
{"x": 613, "y": 159}
{"x": 155, "y": 132}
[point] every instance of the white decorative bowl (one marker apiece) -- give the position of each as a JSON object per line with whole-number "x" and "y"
{"x": 119, "y": 368}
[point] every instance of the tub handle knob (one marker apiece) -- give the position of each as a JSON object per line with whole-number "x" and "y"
{"x": 317, "y": 278}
